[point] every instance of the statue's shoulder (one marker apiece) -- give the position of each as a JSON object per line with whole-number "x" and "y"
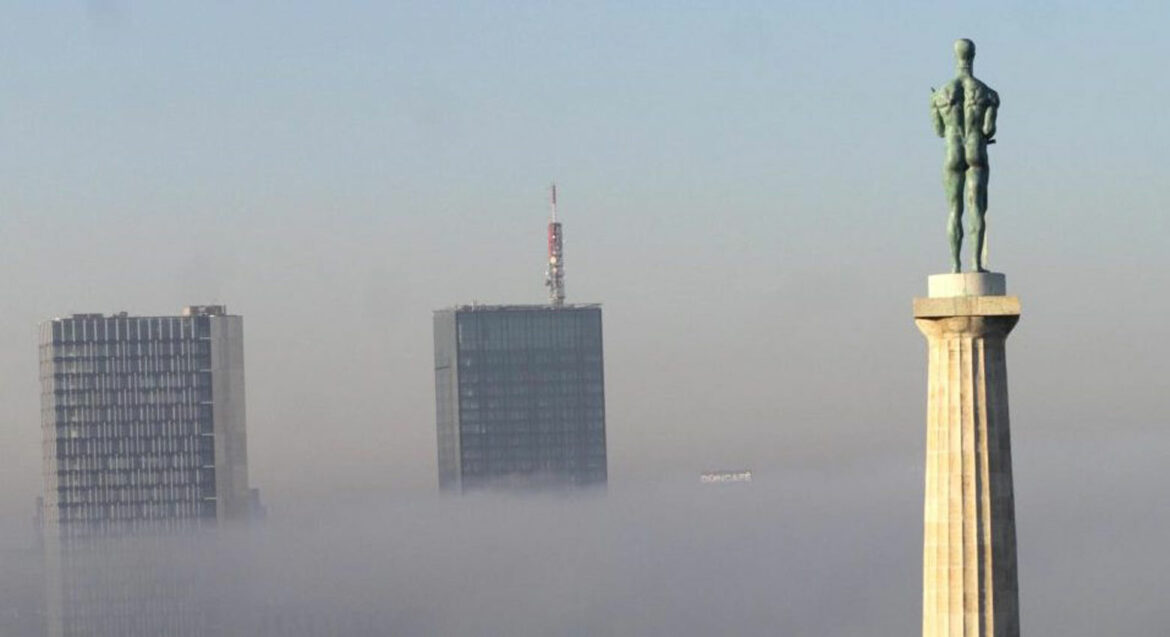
{"x": 984, "y": 94}
{"x": 948, "y": 94}
{"x": 992, "y": 96}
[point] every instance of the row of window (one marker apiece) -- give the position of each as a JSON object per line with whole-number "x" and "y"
{"x": 540, "y": 329}
{"x": 128, "y": 381}
{"x": 100, "y": 423}
{"x": 130, "y": 329}
{"x": 495, "y": 341}
{"x": 161, "y": 397}
{"x": 532, "y": 419}
{"x": 127, "y": 463}
{"x": 77, "y": 530}
{"x": 567, "y": 400}
{"x": 136, "y": 511}
{"x": 508, "y": 427}
{"x": 528, "y": 453}
{"x": 152, "y": 365}
{"x": 68, "y": 447}
{"x": 550, "y": 397}
{"x": 534, "y": 388}
{"x": 530, "y": 409}
{"x": 473, "y": 467}
{"x": 137, "y": 495}
{"x": 83, "y": 414}
{"x": 134, "y": 478}
{"x": 137, "y": 349}
{"x": 532, "y": 358}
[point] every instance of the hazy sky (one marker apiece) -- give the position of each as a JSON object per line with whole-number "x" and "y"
{"x": 753, "y": 193}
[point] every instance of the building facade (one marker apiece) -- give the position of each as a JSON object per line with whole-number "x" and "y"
{"x": 144, "y": 441}
{"x": 520, "y": 396}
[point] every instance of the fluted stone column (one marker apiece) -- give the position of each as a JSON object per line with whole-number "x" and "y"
{"x": 969, "y": 549}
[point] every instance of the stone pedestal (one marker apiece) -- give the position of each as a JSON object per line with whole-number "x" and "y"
{"x": 969, "y": 548}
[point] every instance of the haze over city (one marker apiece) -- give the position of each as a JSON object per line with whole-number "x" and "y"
{"x": 751, "y": 192}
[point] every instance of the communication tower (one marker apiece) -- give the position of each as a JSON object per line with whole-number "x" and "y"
{"x": 555, "y": 276}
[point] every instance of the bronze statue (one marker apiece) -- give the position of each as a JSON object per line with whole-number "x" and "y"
{"x": 963, "y": 112}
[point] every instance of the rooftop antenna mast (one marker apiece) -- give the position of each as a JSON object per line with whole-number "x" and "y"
{"x": 555, "y": 276}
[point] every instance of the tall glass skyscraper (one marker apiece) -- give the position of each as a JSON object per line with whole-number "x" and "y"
{"x": 520, "y": 396}
{"x": 144, "y": 437}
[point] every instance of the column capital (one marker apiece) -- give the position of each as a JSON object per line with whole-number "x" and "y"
{"x": 966, "y": 316}
{"x": 967, "y": 326}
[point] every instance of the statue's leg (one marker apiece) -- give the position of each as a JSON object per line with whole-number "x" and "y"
{"x": 953, "y": 178}
{"x": 977, "y": 177}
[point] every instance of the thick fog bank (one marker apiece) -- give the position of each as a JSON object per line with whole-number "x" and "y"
{"x": 833, "y": 552}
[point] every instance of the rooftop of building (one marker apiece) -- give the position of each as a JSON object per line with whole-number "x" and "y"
{"x": 483, "y": 307}
{"x": 190, "y": 310}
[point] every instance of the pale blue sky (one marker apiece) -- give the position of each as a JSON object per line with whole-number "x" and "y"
{"x": 751, "y": 190}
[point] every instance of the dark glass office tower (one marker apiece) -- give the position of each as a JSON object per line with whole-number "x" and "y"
{"x": 520, "y": 396}
{"x": 144, "y": 440}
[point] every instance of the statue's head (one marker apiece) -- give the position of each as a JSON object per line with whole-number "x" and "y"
{"x": 964, "y": 52}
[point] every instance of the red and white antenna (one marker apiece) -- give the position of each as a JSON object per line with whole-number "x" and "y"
{"x": 555, "y": 276}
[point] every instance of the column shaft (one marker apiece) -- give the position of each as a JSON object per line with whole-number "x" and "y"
{"x": 969, "y": 549}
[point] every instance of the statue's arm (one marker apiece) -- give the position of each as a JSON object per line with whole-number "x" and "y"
{"x": 936, "y": 118}
{"x": 989, "y": 116}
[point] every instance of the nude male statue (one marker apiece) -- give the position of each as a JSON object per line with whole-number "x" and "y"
{"x": 963, "y": 113}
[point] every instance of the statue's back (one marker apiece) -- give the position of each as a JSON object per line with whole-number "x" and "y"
{"x": 978, "y": 100}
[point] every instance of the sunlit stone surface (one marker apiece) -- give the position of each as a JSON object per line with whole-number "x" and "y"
{"x": 969, "y": 548}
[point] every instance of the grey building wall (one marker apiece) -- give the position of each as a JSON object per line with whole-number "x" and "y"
{"x": 233, "y": 497}
{"x": 520, "y": 396}
{"x": 144, "y": 439}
